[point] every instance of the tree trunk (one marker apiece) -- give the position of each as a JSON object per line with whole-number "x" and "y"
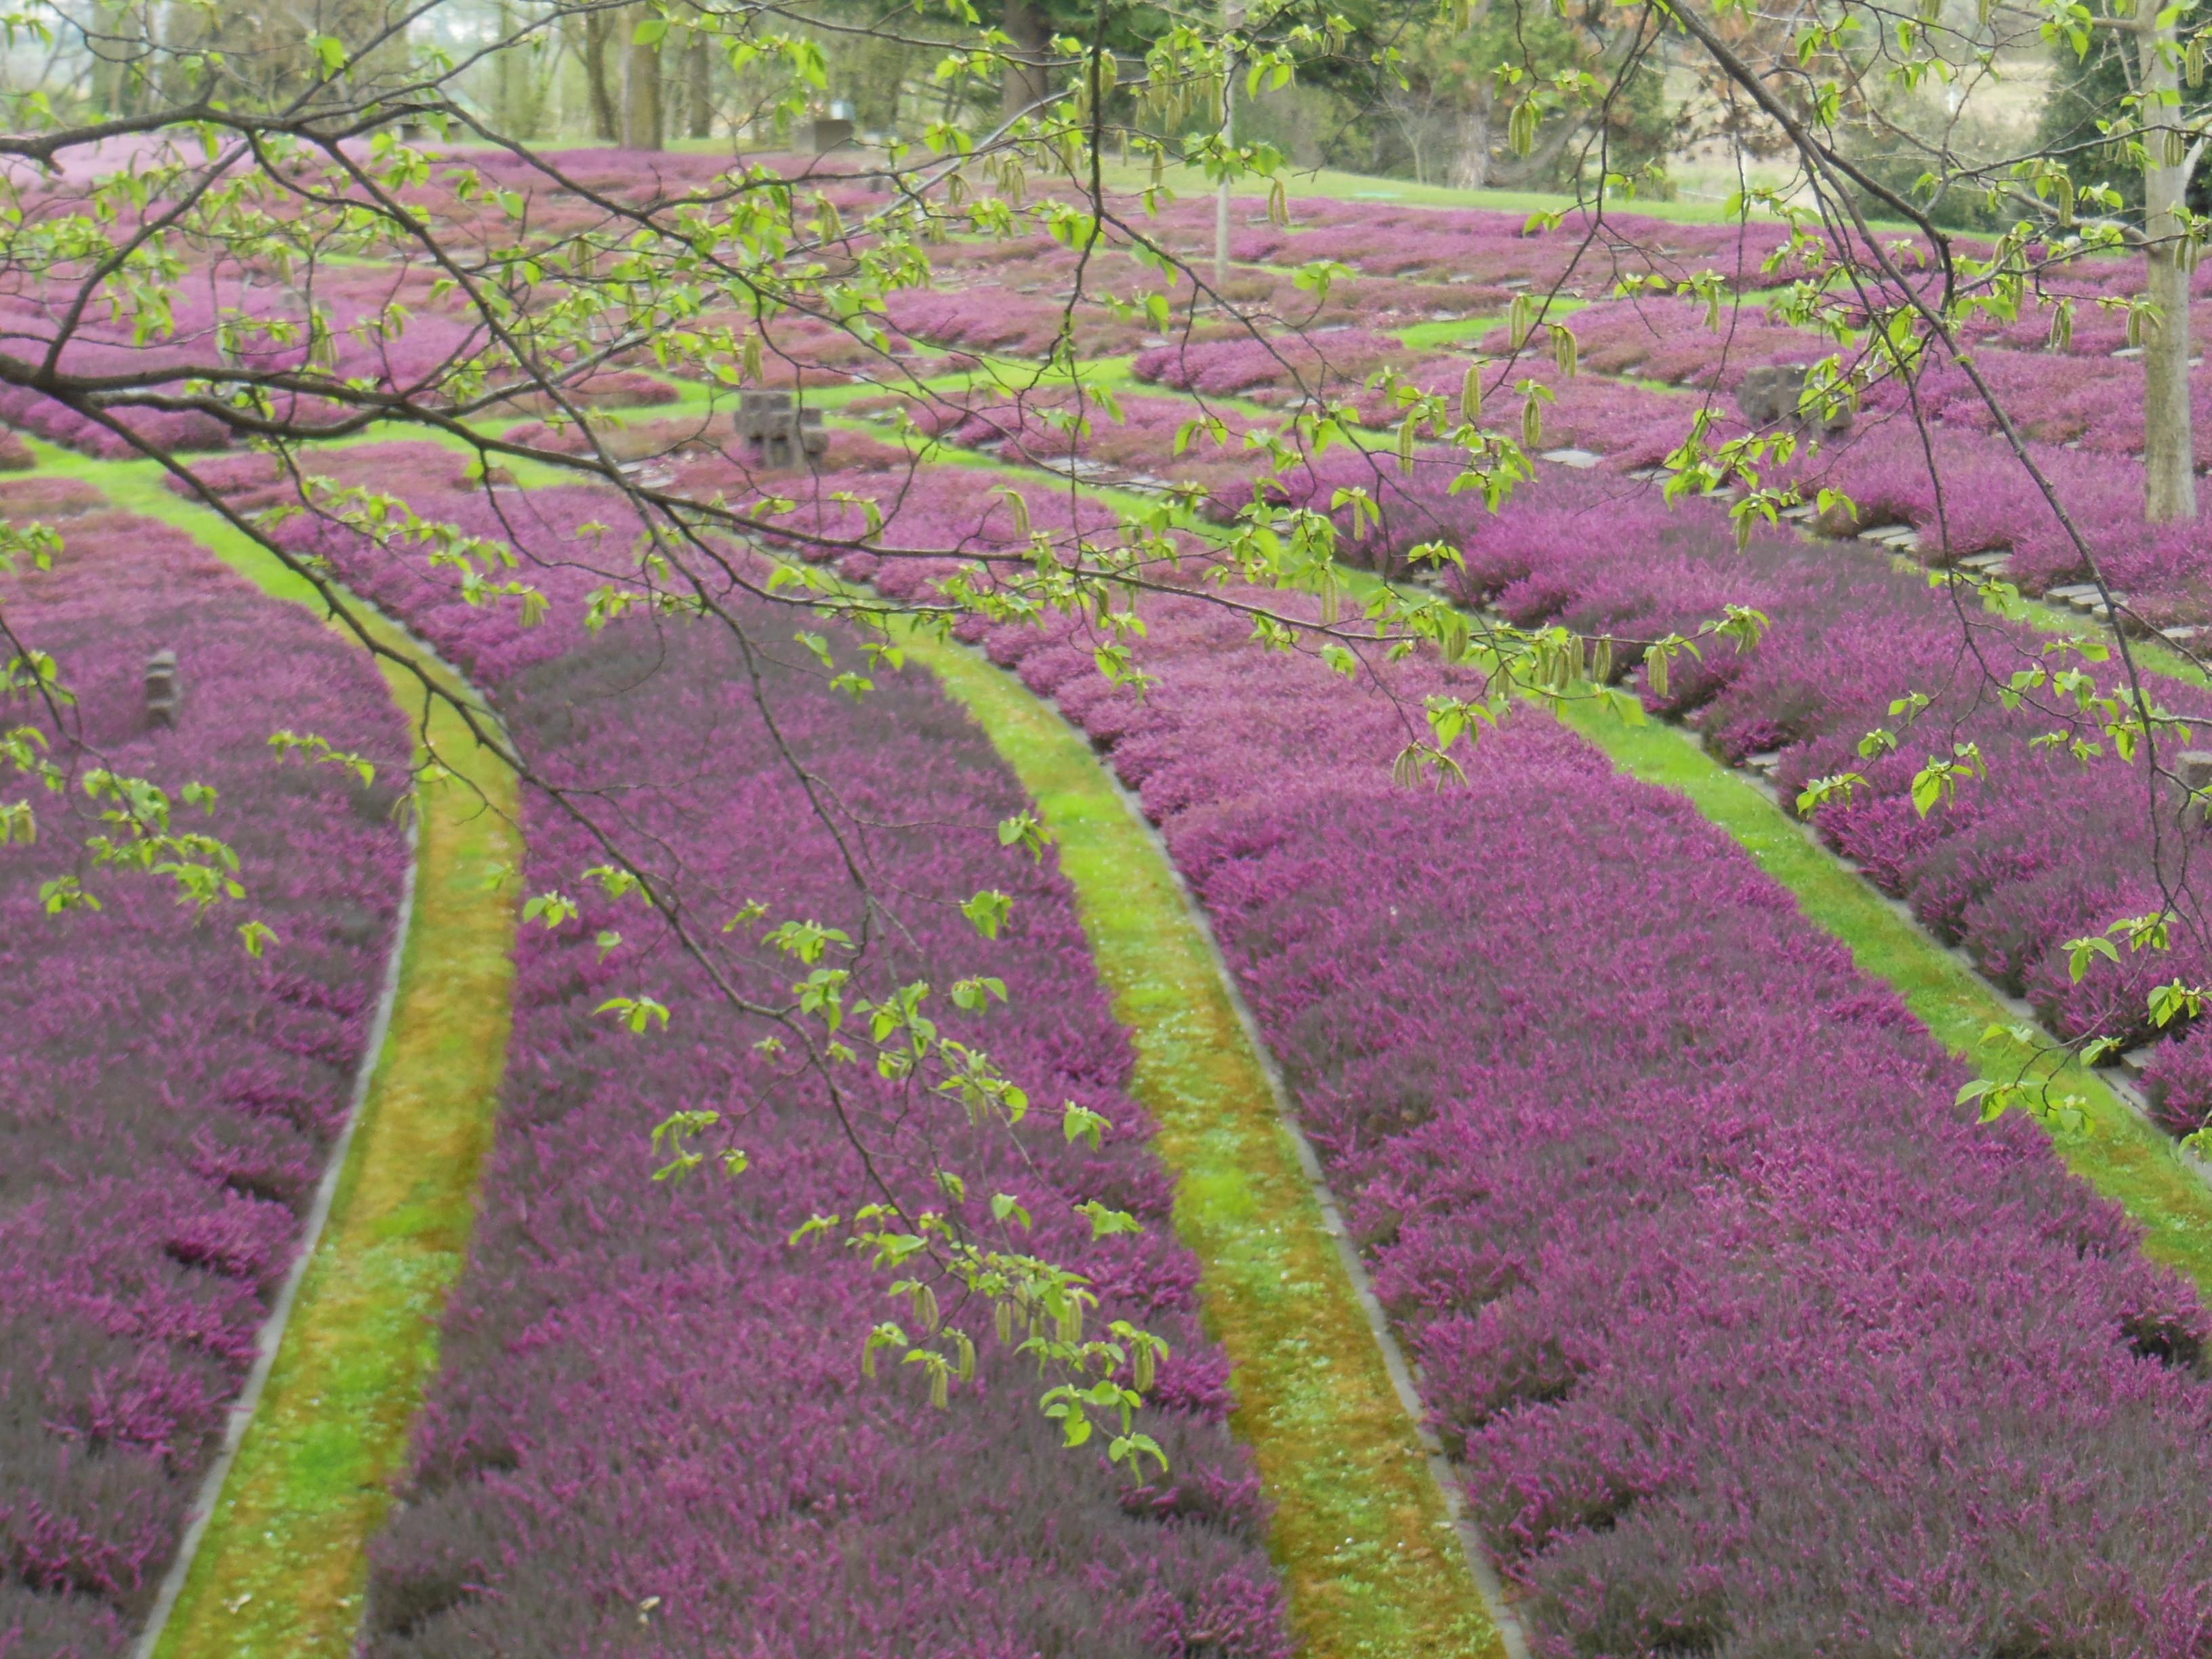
{"x": 1027, "y": 83}
{"x": 599, "y": 30}
{"x": 641, "y": 105}
{"x": 506, "y": 104}
{"x": 699, "y": 88}
{"x": 2169, "y": 442}
{"x": 1471, "y": 167}
{"x": 116, "y": 57}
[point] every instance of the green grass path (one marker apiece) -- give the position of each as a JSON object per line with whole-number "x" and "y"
{"x": 281, "y": 1570}
{"x": 1361, "y": 1533}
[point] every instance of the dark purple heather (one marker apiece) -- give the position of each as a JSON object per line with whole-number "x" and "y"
{"x": 169, "y": 1101}
{"x": 416, "y": 361}
{"x": 1749, "y": 1341}
{"x": 650, "y": 1433}
{"x": 1331, "y": 363}
{"x": 1485, "y": 247}
{"x": 2044, "y": 850}
{"x": 1673, "y": 340}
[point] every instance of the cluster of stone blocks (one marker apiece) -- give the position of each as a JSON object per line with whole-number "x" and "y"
{"x": 780, "y": 433}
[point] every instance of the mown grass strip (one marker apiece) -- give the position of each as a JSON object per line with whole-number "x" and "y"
{"x": 1361, "y": 1531}
{"x": 281, "y": 1569}
{"x": 2122, "y": 1155}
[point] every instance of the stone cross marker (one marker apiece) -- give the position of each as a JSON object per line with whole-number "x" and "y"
{"x": 779, "y": 432}
{"x": 163, "y": 695}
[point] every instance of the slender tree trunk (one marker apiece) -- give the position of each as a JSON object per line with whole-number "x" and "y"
{"x": 505, "y": 103}
{"x": 2169, "y": 442}
{"x": 1027, "y": 82}
{"x": 699, "y": 87}
{"x": 641, "y": 106}
{"x": 599, "y": 30}
{"x": 1471, "y": 168}
{"x": 112, "y": 70}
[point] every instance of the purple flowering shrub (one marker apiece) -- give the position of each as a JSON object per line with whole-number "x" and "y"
{"x": 1673, "y": 341}
{"x": 700, "y": 455}
{"x": 48, "y": 498}
{"x": 2044, "y": 850}
{"x": 2096, "y": 403}
{"x": 647, "y": 1391}
{"x": 1486, "y": 248}
{"x": 1132, "y": 443}
{"x": 989, "y": 317}
{"x": 1728, "y": 1312}
{"x": 170, "y": 1101}
{"x": 1327, "y": 363}
{"x": 1038, "y": 265}
{"x": 1988, "y": 501}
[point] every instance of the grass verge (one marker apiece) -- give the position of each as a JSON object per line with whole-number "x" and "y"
{"x": 281, "y": 1567}
{"x": 1360, "y": 1531}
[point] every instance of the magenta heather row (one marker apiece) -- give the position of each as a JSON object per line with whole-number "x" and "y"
{"x": 1136, "y": 450}
{"x": 1748, "y": 1340}
{"x": 1673, "y": 340}
{"x": 2045, "y": 850}
{"x": 650, "y": 1432}
{"x": 1481, "y": 246}
{"x": 987, "y": 317}
{"x": 416, "y": 361}
{"x": 169, "y": 1101}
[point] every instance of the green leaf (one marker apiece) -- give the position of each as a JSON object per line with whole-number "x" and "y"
{"x": 2080, "y": 951}
{"x": 1106, "y": 1221}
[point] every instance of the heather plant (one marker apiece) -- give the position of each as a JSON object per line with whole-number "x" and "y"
{"x": 171, "y": 1098}
{"x": 1680, "y": 343}
{"x": 1643, "y": 1228}
{"x": 237, "y": 155}
{"x": 1133, "y": 441}
{"x": 1582, "y": 255}
{"x": 2031, "y": 846}
{"x": 1324, "y": 366}
{"x": 988, "y": 317}
{"x": 801, "y": 1519}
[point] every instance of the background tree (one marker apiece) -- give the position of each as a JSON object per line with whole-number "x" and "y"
{"x": 1459, "y": 78}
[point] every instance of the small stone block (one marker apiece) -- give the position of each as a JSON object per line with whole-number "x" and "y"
{"x": 163, "y": 695}
{"x": 2193, "y": 768}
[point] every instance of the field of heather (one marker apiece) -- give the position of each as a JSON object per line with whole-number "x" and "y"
{"x": 1132, "y": 954}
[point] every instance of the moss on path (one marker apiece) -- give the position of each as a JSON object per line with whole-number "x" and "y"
{"x": 1361, "y": 1532}
{"x": 281, "y": 1567}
